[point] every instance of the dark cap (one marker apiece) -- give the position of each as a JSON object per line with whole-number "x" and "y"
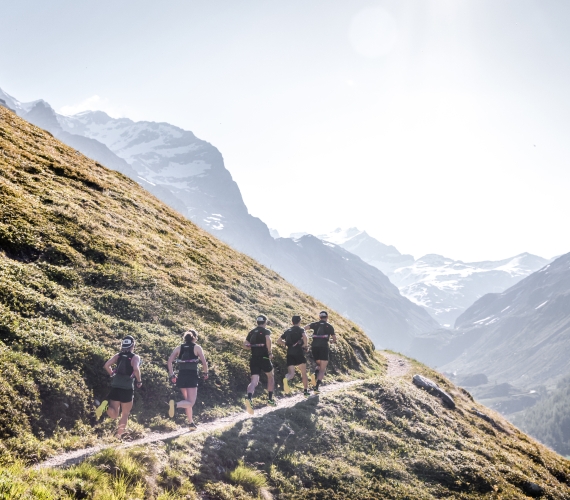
{"x": 324, "y": 314}
{"x": 127, "y": 342}
{"x": 261, "y": 318}
{"x": 296, "y": 319}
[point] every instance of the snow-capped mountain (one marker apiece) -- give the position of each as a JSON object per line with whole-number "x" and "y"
{"x": 446, "y": 287}
{"x": 189, "y": 174}
{"x": 443, "y": 286}
{"x": 520, "y": 336}
{"x": 384, "y": 257}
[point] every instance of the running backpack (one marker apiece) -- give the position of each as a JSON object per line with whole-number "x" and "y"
{"x": 322, "y": 332}
{"x": 187, "y": 353}
{"x": 124, "y": 366}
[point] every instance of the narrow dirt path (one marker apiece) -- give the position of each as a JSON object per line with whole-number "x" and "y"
{"x": 77, "y": 456}
{"x": 397, "y": 366}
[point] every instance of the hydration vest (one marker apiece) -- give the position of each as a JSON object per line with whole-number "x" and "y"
{"x": 187, "y": 360}
{"x": 124, "y": 366}
{"x": 322, "y": 332}
{"x": 258, "y": 342}
{"x": 258, "y": 336}
{"x": 290, "y": 343}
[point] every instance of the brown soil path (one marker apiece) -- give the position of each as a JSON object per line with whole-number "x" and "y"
{"x": 397, "y": 366}
{"x": 77, "y": 456}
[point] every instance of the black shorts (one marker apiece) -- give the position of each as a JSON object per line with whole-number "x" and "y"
{"x": 320, "y": 353}
{"x": 121, "y": 395}
{"x": 295, "y": 359}
{"x": 187, "y": 379}
{"x": 259, "y": 364}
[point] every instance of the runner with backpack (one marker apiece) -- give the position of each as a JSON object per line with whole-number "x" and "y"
{"x": 258, "y": 341}
{"x": 123, "y": 377}
{"x": 187, "y": 356}
{"x": 323, "y": 331}
{"x": 295, "y": 339}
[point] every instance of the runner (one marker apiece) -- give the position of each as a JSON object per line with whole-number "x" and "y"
{"x": 295, "y": 339}
{"x": 189, "y": 355}
{"x": 120, "y": 399}
{"x": 323, "y": 331}
{"x": 259, "y": 341}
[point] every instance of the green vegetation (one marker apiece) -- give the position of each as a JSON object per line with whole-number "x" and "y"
{"x": 549, "y": 419}
{"x": 86, "y": 257}
{"x": 382, "y": 439}
{"x": 247, "y": 477}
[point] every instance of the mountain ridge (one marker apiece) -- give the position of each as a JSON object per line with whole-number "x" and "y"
{"x": 89, "y": 256}
{"x": 444, "y": 287}
{"x": 189, "y": 174}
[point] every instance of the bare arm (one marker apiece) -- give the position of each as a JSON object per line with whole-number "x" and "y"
{"x": 246, "y": 345}
{"x": 333, "y": 339}
{"x": 171, "y": 359}
{"x": 268, "y": 344}
{"x": 108, "y": 364}
{"x": 200, "y": 353}
{"x": 307, "y": 327}
{"x": 135, "y": 363}
{"x": 305, "y": 341}
{"x": 280, "y": 341}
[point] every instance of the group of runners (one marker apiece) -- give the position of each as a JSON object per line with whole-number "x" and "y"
{"x": 124, "y": 367}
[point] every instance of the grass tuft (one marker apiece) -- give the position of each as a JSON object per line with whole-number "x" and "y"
{"x": 247, "y": 477}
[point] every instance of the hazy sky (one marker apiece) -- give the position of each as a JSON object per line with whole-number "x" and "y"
{"x": 437, "y": 126}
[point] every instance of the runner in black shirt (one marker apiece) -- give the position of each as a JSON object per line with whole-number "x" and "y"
{"x": 259, "y": 341}
{"x": 323, "y": 331}
{"x": 296, "y": 341}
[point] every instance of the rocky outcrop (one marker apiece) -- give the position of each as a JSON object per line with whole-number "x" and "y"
{"x": 434, "y": 389}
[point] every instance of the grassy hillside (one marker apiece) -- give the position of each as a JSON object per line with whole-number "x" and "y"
{"x": 86, "y": 257}
{"x": 382, "y": 439}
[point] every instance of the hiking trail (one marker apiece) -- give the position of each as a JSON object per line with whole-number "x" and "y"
{"x": 397, "y": 367}
{"x": 76, "y": 456}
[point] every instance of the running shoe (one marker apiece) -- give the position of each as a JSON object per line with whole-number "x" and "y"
{"x": 286, "y": 388}
{"x": 306, "y": 394}
{"x": 192, "y": 426}
{"x": 102, "y": 408}
{"x": 248, "y": 406}
{"x": 271, "y": 402}
{"x": 171, "y": 408}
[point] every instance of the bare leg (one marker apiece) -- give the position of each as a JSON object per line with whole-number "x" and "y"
{"x": 114, "y": 409}
{"x": 184, "y": 403}
{"x": 290, "y": 372}
{"x": 270, "y": 381}
{"x": 322, "y": 369}
{"x": 125, "y": 412}
{"x": 189, "y": 395}
{"x": 318, "y": 363}
{"x": 253, "y": 384}
{"x": 303, "y": 369}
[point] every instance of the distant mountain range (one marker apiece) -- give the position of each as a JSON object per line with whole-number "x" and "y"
{"x": 443, "y": 286}
{"x": 521, "y": 335}
{"x": 189, "y": 174}
{"x": 512, "y": 348}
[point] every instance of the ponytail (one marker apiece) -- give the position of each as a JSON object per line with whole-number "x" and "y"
{"x": 190, "y": 336}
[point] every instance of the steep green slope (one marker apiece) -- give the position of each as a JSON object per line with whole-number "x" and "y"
{"x": 382, "y": 439}
{"x": 87, "y": 256}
